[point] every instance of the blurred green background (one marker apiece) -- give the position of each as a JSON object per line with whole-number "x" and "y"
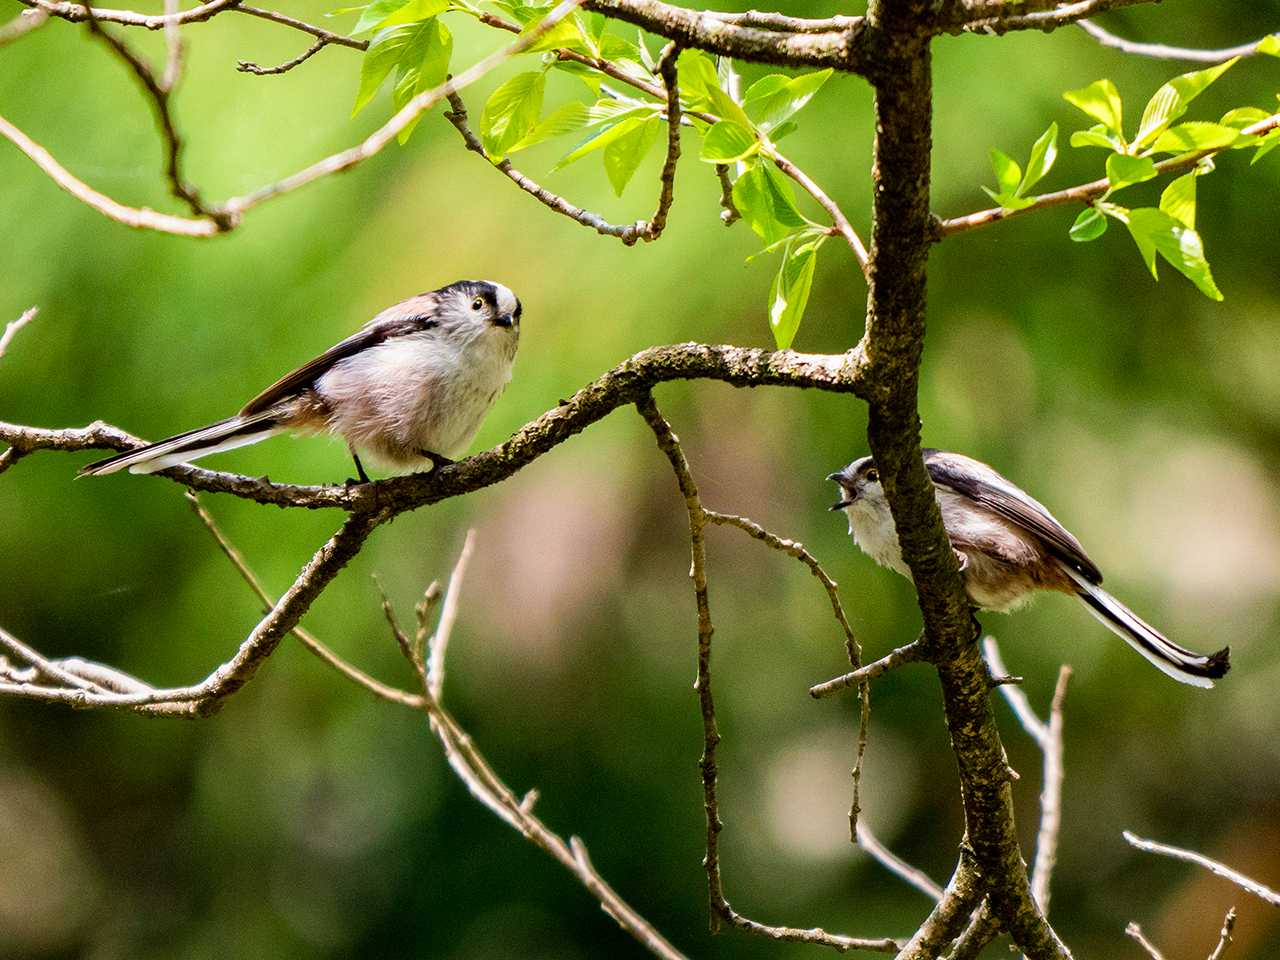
{"x": 308, "y": 820}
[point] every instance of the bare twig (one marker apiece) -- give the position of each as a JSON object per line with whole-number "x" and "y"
{"x": 1260, "y": 890}
{"x": 328, "y": 36}
{"x": 158, "y": 92}
{"x": 77, "y": 13}
{"x": 1134, "y": 932}
{"x": 13, "y": 326}
{"x": 1017, "y": 699}
{"x": 1046, "y": 20}
{"x": 22, "y": 24}
{"x": 1087, "y": 192}
{"x": 248, "y": 66}
{"x": 768, "y": 20}
{"x": 910, "y": 653}
{"x": 652, "y": 229}
{"x": 1224, "y": 937}
{"x": 173, "y": 48}
{"x": 438, "y": 644}
{"x": 699, "y": 517}
{"x": 729, "y": 215}
{"x": 1161, "y": 51}
{"x": 914, "y": 876}
{"x": 138, "y": 218}
{"x": 1050, "y": 796}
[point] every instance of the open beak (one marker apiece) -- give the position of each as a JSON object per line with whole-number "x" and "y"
{"x": 840, "y": 506}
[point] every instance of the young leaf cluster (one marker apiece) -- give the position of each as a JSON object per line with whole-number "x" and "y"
{"x": 1167, "y": 231}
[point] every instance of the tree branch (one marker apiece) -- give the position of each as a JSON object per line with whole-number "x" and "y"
{"x": 1087, "y": 192}
{"x": 1011, "y": 17}
{"x": 1224, "y": 937}
{"x": 22, "y": 24}
{"x": 248, "y": 66}
{"x": 1134, "y": 932}
{"x": 1259, "y": 890}
{"x": 77, "y": 13}
{"x": 1161, "y": 51}
{"x": 13, "y": 326}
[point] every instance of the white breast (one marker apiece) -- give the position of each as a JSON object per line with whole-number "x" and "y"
{"x": 417, "y": 393}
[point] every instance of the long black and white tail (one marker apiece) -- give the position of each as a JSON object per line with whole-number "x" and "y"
{"x": 1185, "y": 666}
{"x": 185, "y": 447}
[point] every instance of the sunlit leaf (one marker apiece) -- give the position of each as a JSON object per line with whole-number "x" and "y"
{"x": 767, "y": 203}
{"x": 1179, "y": 245}
{"x": 1124, "y": 171}
{"x": 727, "y": 142}
{"x": 1171, "y": 100}
{"x": 1270, "y": 44}
{"x": 772, "y": 99}
{"x": 1097, "y": 136}
{"x": 1008, "y": 173}
{"x": 623, "y": 155}
{"x": 570, "y": 118}
{"x": 564, "y": 34}
{"x": 789, "y": 293}
{"x": 390, "y": 13}
{"x": 1100, "y": 100}
{"x": 1090, "y": 225}
{"x": 1266, "y": 145}
{"x": 1179, "y": 200}
{"x": 511, "y": 112}
{"x": 1195, "y": 135}
{"x": 1043, "y": 153}
{"x": 602, "y": 139}
{"x": 424, "y": 65}
{"x": 1010, "y": 201}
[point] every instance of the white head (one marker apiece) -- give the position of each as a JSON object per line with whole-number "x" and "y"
{"x": 476, "y": 307}
{"x": 860, "y": 489}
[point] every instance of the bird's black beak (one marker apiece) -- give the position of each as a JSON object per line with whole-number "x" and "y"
{"x": 840, "y": 506}
{"x": 503, "y": 321}
{"x": 835, "y": 476}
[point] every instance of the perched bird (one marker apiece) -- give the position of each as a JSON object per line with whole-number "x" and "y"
{"x": 1009, "y": 546}
{"x": 409, "y": 388}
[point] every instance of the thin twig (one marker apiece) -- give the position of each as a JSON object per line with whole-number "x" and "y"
{"x": 1260, "y": 890}
{"x": 77, "y": 13}
{"x": 320, "y": 33}
{"x": 1162, "y": 51}
{"x": 13, "y": 326}
{"x": 438, "y": 644}
{"x": 1046, "y": 20}
{"x": 138, "y": 218}
{"x": 914, "y": 876}
{"x": 248, "y": 66}
{"x": 1087, "y": 192}
{"x": 910, "y": 653}
{"x": 1015, "y": 696}
{"x": 158, "y": 93}
{"x": 173, "y": 48}
{"x": 1050, "y": 796}
{"x": 730, "y": 214}
{"x": 1224, "y": 936}
{"x": 22, "y": 24}
{"x": 1134, "y": 932}
{"x": 768, "y": 20}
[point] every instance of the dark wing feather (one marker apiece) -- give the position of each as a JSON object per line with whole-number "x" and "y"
{"x": 986, "y": 487}
{"x": 376, "y": 331}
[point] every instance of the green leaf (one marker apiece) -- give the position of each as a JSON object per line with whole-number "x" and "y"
{"x": 511, "y": 112}
{"x": 1043, "y": 153}
{"x": 1008, "y": 173}
{"x": 1196, "y": 135}
{"x": 390, "y": 13}
{"x": 1270, "y": 44}
{"x": 784, "y": 129}
{"x": 1242, "y": 117}
{"x": 379, "y": 60}
{"x": 1179, "y": 199}
{"x": 1010, "y": 201}
{"x": 772, "y": 99}
{"x": 570, "y": 118}
{"x": 564, "y": 34}
{"x": 1097, "y": 136}
{"x": 727, "y": 142}
{"x": 1090, "y": 225}
{"x": 766, "y": 201}
{"x": 623, "y": 155}
{"x": 696, "y": 74}
{"x": 789, "y": 294}
{"x": 1179, "y": 245}
{"x": 1100, "y": 100}
{"x": 424, "y": 65}
{"x": 1124, "y": 171}
{"x": 1266, "y": 145}
{"x": 646, "y": 57}
{"x": 601, "y": 140}
{"x": 1171, "y": 100}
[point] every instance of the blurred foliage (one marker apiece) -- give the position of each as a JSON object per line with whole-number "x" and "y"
{"x": 308, "y": 820}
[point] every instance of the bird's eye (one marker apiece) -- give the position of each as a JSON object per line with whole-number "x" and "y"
{"x": 873, "y": 475}
{"x": 477, "y": 303}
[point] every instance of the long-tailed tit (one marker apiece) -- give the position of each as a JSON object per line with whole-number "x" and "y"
{"x": 410, "y": 387}
{"x": 1009, "y": 546}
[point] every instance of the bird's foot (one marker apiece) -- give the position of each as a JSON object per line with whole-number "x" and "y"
{"x": 437, "y": 461}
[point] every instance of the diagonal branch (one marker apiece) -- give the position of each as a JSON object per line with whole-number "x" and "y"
{"x": 22, "y": 24}
{"x": 1162, "y": 51}
{"x": 13, "y": 326}
{"x": 1010, "y": 16}
{"x": 248, "y": 66}
{"x": 1259, "y": 890}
